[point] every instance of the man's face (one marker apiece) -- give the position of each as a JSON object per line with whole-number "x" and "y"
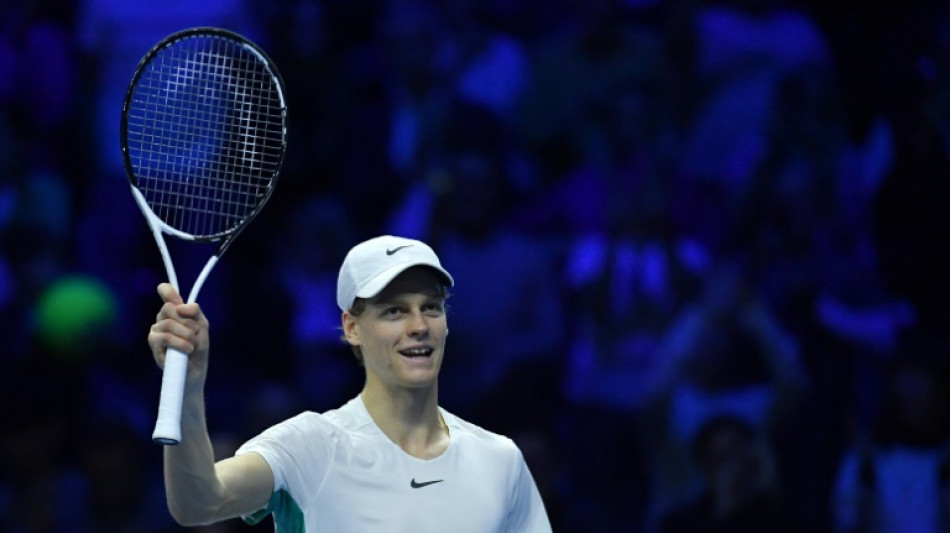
{"x": 402, "y": 330}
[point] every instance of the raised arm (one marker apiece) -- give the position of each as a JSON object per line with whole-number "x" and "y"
{"x": 198, "y": 490}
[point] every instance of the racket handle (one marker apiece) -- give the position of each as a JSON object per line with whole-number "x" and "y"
{"x": 168, "y": 426}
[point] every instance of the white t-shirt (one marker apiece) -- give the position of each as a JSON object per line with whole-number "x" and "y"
{"x": 339, "y": 472}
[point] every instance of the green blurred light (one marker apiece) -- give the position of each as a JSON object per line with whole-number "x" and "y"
{"x": 72, "y": 312}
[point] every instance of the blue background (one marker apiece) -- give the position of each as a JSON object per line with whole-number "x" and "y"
{"x": 655, "y": 212}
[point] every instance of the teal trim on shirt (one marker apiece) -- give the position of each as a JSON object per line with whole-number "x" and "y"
{"x": 288, "y": 518}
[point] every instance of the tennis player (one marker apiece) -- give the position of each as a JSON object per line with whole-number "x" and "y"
{"x": 388, "y": 460}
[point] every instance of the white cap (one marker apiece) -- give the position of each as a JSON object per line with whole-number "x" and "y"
{"x": 371, "y": 265}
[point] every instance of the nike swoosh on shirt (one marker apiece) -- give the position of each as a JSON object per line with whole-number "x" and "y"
{"x": 418, "y": 485}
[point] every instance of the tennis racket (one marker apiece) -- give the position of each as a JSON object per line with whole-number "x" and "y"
{"x": 204, "y": 134}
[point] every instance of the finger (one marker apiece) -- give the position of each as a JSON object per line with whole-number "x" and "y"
{"x": 185, "y": 328}
{"x": 169, "y": 294}
{"x": 165, "y": 341}
{"x": 182, "y": 340}
{"x": 191, "y": 310}
{"x": 169, "y": 311}
{"x": 181, "y": 312}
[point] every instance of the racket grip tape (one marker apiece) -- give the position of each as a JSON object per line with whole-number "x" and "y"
{"x": 168, "y": 426}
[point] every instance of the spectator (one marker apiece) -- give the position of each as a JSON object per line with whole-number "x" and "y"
{"x": 741, "y": 492}
{"x": 897, "y": 477}
{"x": 475, "y": 237}
{"x": 726, "y": 354}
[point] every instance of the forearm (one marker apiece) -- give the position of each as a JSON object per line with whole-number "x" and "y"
{"x": 192, "y": 488}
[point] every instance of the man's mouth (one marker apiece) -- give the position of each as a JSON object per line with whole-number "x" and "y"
{"x": 416, "y": 352}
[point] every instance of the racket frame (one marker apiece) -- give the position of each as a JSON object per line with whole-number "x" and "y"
{"x": 168, "y": 424}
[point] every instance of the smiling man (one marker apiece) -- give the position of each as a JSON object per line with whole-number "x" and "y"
{"x": 388, "y": 460}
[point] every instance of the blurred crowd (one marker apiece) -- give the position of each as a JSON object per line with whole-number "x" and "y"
{"x": 700, "y": 251}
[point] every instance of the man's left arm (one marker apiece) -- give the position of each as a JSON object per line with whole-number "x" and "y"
{"x": 526, "y": 513}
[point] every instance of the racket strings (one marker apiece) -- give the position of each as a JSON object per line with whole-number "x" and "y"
{"x": 205, "y": 128}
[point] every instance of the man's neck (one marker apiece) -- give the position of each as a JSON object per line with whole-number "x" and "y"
{"x": 410, "y": 418}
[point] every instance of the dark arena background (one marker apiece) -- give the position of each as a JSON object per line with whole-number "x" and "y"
{"x": 700, "y": 251}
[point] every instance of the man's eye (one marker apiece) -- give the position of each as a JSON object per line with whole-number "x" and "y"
{"x": 392, "y": 311}
{"x": 432, "y": 308}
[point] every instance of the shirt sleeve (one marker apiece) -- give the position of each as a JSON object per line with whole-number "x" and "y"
{"x": 527, "y": 513}
{"x": 299, "y": 451}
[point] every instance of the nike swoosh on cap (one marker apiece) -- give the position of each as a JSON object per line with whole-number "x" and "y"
{"x": 396, "y": 249}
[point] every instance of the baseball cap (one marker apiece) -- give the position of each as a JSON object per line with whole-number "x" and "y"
{"x": 371, "y": 265}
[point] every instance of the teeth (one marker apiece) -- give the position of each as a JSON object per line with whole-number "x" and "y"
{"x": 417, "y": 351}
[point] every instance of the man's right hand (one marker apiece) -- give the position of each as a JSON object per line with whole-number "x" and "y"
{"x": 183, "y": 327}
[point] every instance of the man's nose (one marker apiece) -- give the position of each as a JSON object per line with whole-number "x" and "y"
{"x": 418, "y": 323}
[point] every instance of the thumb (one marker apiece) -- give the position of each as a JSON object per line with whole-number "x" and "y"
{"x": 169, "y": 294}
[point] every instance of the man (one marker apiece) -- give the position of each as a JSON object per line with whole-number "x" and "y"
{"x": 390, "y": 459}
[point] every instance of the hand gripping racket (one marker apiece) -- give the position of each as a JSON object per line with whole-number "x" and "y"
{"x": 204, "y": 134}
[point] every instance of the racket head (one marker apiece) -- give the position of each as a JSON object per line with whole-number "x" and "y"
{"x": 204, "y": 132}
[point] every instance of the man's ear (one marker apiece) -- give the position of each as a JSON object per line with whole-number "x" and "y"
{"x": 351, "y": 330}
